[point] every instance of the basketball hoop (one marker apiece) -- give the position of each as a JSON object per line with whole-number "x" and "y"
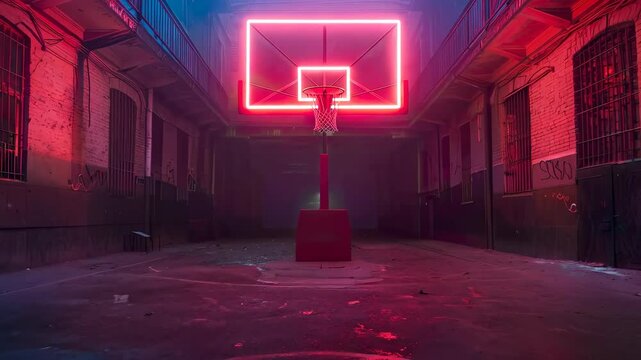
{"x": 325, "y": 107}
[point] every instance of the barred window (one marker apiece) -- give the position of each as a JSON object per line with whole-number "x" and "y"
{"x": 182, "y": 165}
{"x": 445, "y": 162}
{"x": 122, "y": 143}
{"x": 466, "y": 163}
{"x": 606, "y": 98}
{"x": 517, "y": 140}
{"x": 14, "y": 65}
{"x": 157, "y": 131}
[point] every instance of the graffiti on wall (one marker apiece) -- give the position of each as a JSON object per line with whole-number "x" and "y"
{"x": 556, "y": 170}
{"x": 191, "y": 180}
{"x": 565, "y": 199}
{"x": 560, "y": 171}
{"x": 89, "y": 179}
{"x": 170, "y": 173}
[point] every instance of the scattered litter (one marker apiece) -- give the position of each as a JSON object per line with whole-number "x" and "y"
{"x": 596, "y": 269}
{"x": 283, "y": 306}
{"x": 308, "y": 312}
{"x": 361, "y": 330}
{"x": 423, "y": 292}
{"x": 474, "y": 293}
{"x": 387, "y": 336}
{"x": 149, "y": 313}
{"x": 46, "y": 348}
{"x": 28, "y": 269}
{"x": 387, "y": 354}
{"x": 238, "y": 345}
{"x": 121, "y": 299}
{"x": 154, "y": 270}
{"x": 466, "y": 273}
{"x": 353, "y": 302}
{"x": 541, "y": 261}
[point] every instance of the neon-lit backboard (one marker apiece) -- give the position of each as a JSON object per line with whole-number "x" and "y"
{"x": 285, "y": 56}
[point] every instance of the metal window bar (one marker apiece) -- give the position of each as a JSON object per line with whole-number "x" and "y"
{"x": 606, "y": 98}
{"x": 14, "y": 63}
{"x": 466, "y": 163}
{"x": 157, "y": 146}
{"x": 445, "y": 162}
{"x": 517, "y": 140}
{"x": 182, "y": 164}
{"x": 122, "y": 144}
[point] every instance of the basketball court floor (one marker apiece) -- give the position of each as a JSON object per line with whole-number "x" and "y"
{"x": 397, "y": 299}
{"x": 320, "y": 152}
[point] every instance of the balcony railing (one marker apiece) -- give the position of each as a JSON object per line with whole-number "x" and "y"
{"x": 476, "y": 19}
{"x": 158, "y": 19}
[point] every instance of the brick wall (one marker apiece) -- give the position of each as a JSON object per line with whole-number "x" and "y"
{"x": 52, "y": 216}
{"x": 552, "y": 96}
{"x": 60, "y": 141}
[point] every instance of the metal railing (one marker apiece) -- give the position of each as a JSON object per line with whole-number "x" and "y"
{"x": 476, "y": 18}
{"x": 157, "y": 17}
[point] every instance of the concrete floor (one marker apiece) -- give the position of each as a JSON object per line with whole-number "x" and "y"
{"x": 397, "y": 299}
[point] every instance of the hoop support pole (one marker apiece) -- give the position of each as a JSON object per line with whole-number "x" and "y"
{"x": 324, "y": 181}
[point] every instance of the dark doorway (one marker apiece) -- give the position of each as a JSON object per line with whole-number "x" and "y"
{"x": 596, "y": 214}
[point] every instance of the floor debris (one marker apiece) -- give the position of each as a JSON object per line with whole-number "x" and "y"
{"x": 121, "y": 299}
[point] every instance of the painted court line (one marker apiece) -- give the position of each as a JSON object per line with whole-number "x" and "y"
{"x": 319, "y": 354}
{"x": 10, "y": 292}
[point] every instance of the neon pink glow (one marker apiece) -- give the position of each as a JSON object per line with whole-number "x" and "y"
{"x": 345, "y": 69}
{"x": 304, "y": 103}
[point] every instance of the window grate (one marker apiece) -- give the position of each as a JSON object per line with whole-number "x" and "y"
{"x": 14, "y": 62}
{"x": 122, "y": 144}
{"x": 157, "y": 131}
{"x": 466, "y": 163}
{"x": 182, "y": 164}
{"x": 445, "y": 162}
{"x": 606, "y": 98}
{"x": 517, "y": 140}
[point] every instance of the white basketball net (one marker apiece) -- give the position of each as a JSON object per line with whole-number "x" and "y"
{"x": 325, "y": 116}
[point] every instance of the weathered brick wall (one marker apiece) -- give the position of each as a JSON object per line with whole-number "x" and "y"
{"x": 552, "y": 97}
{"x": 50, "y": 106}
{"x": 58, "y": 152}
{"x": 61, "y": 141}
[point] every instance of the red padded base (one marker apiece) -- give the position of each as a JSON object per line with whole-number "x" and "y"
{"x": 323, "y": 235}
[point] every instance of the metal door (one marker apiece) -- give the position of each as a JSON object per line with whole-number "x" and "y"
{"x": 627, "y": 214}
{"x": 596, "y": 214}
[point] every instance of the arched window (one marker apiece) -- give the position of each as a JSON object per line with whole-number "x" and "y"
{"x": 122, "y": 143}
{"x": 14, "y": 86}
{"x": 606, "y": 98}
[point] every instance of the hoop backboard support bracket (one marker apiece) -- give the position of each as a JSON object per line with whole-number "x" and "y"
{"x": 403, "y": 110}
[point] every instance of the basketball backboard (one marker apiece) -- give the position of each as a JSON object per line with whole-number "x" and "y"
{"x": 285, "y": 56}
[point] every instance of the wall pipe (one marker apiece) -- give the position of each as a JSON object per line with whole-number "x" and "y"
{"x": 489, "y": 172}
{"x": 149, "y": 182}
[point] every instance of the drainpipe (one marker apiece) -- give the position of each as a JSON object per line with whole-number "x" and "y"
{"x": 148, "y": 142}
{"x": 489, "y": 175}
